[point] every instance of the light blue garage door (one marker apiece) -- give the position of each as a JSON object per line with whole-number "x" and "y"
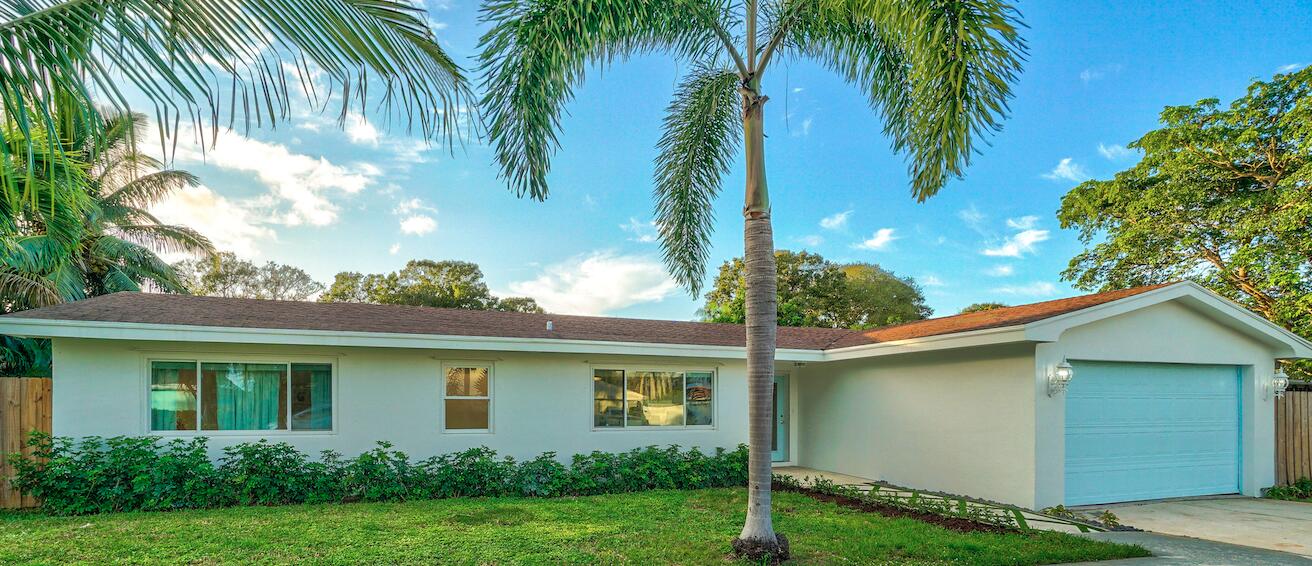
{"x": 1151, "y": 431}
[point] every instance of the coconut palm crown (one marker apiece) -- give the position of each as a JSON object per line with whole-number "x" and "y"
{"x": 937, "y": 72}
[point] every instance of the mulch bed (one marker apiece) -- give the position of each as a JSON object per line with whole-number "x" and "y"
{"x": 951, "y": 523}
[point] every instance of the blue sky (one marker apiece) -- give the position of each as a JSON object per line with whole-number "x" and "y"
{"x": 368, "y": 198}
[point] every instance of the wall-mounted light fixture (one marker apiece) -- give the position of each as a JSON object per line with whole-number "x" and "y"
{"x": 1059, "y": 377}
{"x": 1279, "y": 383}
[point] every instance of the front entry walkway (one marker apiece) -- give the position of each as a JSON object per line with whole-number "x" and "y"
{"x": 1023, "y": 516}
{"x": 1261, "y": 523}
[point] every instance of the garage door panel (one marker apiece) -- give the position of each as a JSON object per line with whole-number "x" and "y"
{"x": 1151, "y": 431}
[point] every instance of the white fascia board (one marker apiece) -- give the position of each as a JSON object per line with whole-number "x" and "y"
{"x": 986, "y": 337}
{"x": 180, "y": 333}
{"x": 1294, "y": 346}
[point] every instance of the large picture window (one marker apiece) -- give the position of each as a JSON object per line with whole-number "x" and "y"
{"x": 240, "y": 396}
{"x": 468, "y": 398}
{"x": 639, "y": 398}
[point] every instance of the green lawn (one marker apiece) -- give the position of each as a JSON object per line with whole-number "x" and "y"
{"x": 683, "y": 527}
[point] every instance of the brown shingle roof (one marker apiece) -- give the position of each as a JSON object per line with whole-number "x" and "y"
{"x": 983, "y": 320}
{"x": 351, "y": 317}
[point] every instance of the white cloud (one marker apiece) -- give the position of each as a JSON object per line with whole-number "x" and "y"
{"x": 394, "y": 249}
{"x": 1095, "y": 73}
{"x": 879, "y": 241}
{"x": 1067, "y": 170}
{"x": 643, "y": 232}
{"x": 1290, "y": 67}
{"x": 805, "y": 130}
{"x": 302, "y": 188}
{"x": 360, "y": 131}
{"x": 229, "y": 225}
{"x": 598, "y": 283}
{"x": 418, "y": 224}
{"x": 1017, "y": 245}
{"x": 1035, "y": 289}
{"x": 973, "y": 218}
{"x": 930, "y": 280}
{"x": 1114, "y": 151}
{"x": 411, "y": 206}
{"x": 811, "y": 240}
{"x": 1004, "y": 270}
{"x": 1023, "y": 223}
{"x": 836, "y": 221}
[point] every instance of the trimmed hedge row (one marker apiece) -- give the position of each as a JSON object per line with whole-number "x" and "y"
{"x": 96, "y": 475}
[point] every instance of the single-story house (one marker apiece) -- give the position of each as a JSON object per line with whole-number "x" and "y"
{"x": 1144, "y": 393}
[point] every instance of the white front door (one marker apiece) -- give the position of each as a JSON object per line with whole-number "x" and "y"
{"x": 779, "y": 439}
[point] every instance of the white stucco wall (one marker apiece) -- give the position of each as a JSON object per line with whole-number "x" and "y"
{"x": 960, "y": 421}
{"x": 540, "y": 402}
{"x": 1169, "y": 332}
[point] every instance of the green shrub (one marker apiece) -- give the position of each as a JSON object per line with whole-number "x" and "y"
{"x": 1301, "y": 489}
{"x": 96, "y": 475}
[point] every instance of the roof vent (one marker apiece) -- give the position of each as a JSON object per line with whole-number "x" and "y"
{"x": 550, "y": 326}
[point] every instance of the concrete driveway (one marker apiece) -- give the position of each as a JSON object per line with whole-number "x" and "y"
{"x": 1261, "y": 523}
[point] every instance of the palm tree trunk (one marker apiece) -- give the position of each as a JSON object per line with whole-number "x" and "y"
{"x": 762, "y": 312}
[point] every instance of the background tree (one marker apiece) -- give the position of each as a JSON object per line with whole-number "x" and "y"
{"x": 226, "y": 275}
{"x": 427, "y": 283}
{"x": 937, "y": 71}
{"x": 981, "y": 307}
{"x": 1222, "y": 196}
{"x": 816, "y": 292}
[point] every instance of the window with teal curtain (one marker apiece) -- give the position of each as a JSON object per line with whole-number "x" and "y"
{"x": 312, "y": 397}
{"x": 173, "y": 396}
{"x": 243, "y": 396}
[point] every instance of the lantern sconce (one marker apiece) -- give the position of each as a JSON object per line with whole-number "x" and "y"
{"x": 1279, "y": 383}
{"x": 1059, "y": 377}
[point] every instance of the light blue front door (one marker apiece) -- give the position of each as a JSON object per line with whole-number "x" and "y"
{"x": 1151, "y": 431}
{"x": 779, "y": 440}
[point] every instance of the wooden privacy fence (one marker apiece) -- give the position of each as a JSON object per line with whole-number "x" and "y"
{"x": 24, "y": 406}
{"x": 1293, "y": 437}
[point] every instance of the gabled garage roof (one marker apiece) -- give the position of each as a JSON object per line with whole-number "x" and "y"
{"x": 143, "y": 316}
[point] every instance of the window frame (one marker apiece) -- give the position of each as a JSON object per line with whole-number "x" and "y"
{"x": 149, "y": 360}
{"x": 627, "y": 368}
{"x": 442, "y": 396}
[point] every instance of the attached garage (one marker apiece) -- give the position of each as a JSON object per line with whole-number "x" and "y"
{"x": 1170, "y": 395}
{"x": 1137, "y": 431}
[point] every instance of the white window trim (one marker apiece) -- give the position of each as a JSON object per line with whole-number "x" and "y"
{"x": 683, "y": 369}
{"x": 148, "y": 360}
{"x": 442, "y": 396}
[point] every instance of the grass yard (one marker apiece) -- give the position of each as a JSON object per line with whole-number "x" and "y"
{"x": 681, "y": 527}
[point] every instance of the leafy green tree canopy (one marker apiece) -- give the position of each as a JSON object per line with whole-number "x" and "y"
{"x": 427, "y": 283}
{"x": 226, "y": 275}
{"x": 981, "y": 307}
{"x": 816, "y": 292}
{"x": 1222, "y": 196}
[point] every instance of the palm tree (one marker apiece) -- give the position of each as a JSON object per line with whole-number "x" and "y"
{"x": 121, "y": 238}
{"x": 937, "y": 71}
{"x": 213, "y": 63}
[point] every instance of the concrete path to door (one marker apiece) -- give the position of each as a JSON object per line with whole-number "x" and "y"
{"x": 1263, "y": 523}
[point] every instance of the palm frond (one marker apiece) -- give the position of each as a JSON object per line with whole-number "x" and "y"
{"x": 537, "y": 51}
{"x": 167, "y": 238}
{"x": 703, "y": 127}
{"x": 148, "y": 189}
{"x": 22, "y": 290}
{"x": 222, "y": 63}
{"x": 963, "y": 57}
{"x": 938, "y": 71}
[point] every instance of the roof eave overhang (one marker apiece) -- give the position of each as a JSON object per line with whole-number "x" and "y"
{"x": 43, "y": 328}
{"x": 1285, "y": 343}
